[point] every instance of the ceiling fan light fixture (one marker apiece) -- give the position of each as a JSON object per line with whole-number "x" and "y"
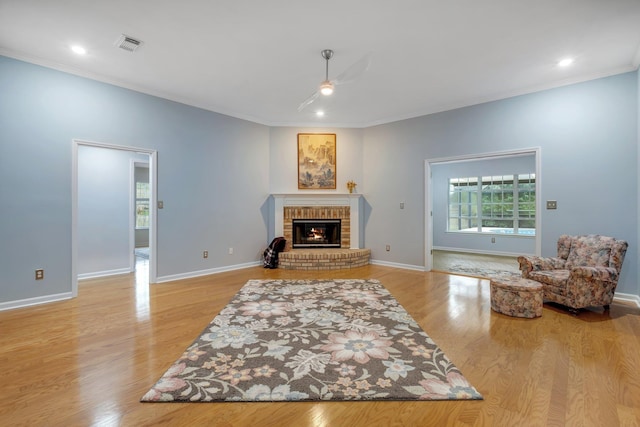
{"x": 326, "y": 88}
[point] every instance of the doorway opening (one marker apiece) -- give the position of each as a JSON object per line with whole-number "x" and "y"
{"x": 465, "y": 242}
{"x": 94, "y": 254}
{"x": 141, "y": 197}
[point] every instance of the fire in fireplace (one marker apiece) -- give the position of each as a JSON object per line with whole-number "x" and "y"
{"x": 316, "y": 233}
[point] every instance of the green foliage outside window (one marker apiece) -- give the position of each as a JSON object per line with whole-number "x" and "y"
{"x": 142, "y": 204}
{"x": 489, "y": 202}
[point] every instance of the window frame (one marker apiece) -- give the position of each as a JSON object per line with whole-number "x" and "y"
{"x": 142, "y": 200}
{"x": 492, "y": 200}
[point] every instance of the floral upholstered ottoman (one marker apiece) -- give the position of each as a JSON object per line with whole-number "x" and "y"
{"x": 518, "y": 297}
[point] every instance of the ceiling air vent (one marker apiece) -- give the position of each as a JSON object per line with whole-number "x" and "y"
{"x": 128, "y": 43}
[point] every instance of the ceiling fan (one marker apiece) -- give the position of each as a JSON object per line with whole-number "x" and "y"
{"x": 327, "y": 87}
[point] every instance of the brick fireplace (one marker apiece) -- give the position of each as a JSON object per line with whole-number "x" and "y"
{"x": 318, "y": 212}
{"x": 305, "y": 206}
{"x": 345, "y": 207}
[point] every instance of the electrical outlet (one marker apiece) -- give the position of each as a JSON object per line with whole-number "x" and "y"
{"x": 160, "y": 204}
{"x": 388, "y": 248}
{"x": 40, "y": 274}
{"x": 230, "y": 251}
{"x": 205, "y": 254}
{"x": 493, "y": 240}
{"x": 401, "y": 205}
{"x": 552, "y": 204}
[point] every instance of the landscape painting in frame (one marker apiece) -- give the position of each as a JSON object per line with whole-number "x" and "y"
{"x": 316, "y": 161}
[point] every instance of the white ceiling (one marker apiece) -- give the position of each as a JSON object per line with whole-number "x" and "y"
{"x": 259, "y": 59}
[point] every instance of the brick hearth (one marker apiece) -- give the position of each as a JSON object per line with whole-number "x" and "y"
{"x": 323, "y": 259}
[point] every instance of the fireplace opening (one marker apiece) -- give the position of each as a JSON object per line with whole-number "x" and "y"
{"x": 316, "y": 233}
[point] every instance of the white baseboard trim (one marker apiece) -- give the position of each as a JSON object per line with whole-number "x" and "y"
{"x": 627, "y": 298}
{"x": 10, "y": 305}
{"x": 105, "y": 273}
{"x": 397, "y": 265}
{"x": 172, "y": 277}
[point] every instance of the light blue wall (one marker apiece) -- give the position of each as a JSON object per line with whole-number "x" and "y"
{"x": 589, "y": 163}
{"x": 215, "y": 172}
{"x": 213, "y": 175}
{"x": 476, "y": 242}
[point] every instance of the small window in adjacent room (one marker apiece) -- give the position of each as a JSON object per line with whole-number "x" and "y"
{"x": 463, "y": 204}
{"x": 503, "y": 204}
{"x": 142, "y": 205}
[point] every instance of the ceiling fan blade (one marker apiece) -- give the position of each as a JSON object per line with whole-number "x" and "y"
{"x": 355, "y": 70}
{"x": 308, "y": 101}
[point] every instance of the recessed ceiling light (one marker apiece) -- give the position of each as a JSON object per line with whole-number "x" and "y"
{"x": 78, "y": 49}
{"x": 565, "y": 62}
{"x": 319, "y": 113}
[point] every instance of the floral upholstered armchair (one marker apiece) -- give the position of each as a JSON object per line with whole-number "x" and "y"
{"x": 584, "y": 274}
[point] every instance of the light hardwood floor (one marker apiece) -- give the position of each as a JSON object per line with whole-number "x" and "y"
{"x": 87, "y": 361}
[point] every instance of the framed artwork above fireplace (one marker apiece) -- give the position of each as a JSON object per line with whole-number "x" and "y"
{"x": 316, "y": 161}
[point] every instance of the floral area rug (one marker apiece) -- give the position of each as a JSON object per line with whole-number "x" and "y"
{"x": 311, "y": 340}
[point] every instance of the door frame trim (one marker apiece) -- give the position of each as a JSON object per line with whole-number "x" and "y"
{"x": 428, "y": 197}
{"x": 153, "y": 180}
